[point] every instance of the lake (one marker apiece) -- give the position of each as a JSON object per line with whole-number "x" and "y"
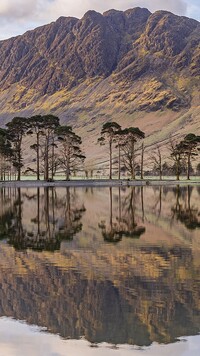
{"x": 100, "y": 271}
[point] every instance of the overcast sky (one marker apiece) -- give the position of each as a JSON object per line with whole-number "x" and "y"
{"x": 18, "y": 16}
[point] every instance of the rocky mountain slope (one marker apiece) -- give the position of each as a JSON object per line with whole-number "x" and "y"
{"x": 134, "y": 67}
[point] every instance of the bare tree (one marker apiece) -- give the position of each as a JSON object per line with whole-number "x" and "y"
{"x": 157, "y": 160}
{"x": 70, "y": 152}
{"x": 142, "y": 162}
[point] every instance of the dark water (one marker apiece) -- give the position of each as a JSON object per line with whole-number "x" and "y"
{"x": 115, "y": 266}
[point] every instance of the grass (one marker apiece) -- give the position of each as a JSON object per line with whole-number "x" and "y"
{"x": 195, "y": 179}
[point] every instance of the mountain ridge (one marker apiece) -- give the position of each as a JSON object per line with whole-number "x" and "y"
{"x": 69, "y": 49}
{"x": 131, "y": 67}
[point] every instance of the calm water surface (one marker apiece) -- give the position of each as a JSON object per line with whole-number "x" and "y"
{"x": 100, "y": 271}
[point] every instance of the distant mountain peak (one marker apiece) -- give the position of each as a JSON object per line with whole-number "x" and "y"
{"x": 128, "y": 47}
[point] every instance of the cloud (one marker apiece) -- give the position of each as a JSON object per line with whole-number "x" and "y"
{"x": 51, "y": 8}
{"x": 18, "y": 15}
{"x": 17, "y": 8}
{"x": 77, "y": 6}
{"x": 193, "y": 9}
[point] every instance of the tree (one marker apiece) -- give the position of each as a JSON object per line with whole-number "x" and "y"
{"x": 119, "y": 138}
{"x": 157, "y": 160}
{"x": 36, "y": 126}
{"x": 70, "y": 153}
{"x": 131, "y": 136}
{"x": 177, "y": 155}
{"x": 108, "y": 133}
{"x": 198, "y": 169}
{"x": 190, "y": 147}
{"x": 5, "y": 153}
{"x": 51, "y": 123}
{"x": 16, "y": 130}
{"x": 166, "y": 169}
{"x": 142, "y": 162}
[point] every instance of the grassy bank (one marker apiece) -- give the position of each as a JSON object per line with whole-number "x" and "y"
{"x": 98, "y": 182}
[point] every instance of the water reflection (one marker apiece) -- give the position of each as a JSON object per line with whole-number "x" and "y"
{"x": 144, "y": 288}
{"x": 125, "y": 224}
{"x": 56, "y": 218}
{"x": 184, "y": 211}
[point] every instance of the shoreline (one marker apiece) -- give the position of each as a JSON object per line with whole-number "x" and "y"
{"x": 96, "y": 183}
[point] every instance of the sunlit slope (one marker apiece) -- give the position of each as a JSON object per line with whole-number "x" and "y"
{"x": 133, "y": 67}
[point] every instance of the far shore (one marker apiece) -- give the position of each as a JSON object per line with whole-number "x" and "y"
{"x": 97, "y": 183}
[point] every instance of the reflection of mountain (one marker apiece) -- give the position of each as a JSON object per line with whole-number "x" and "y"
{"x": 137, "y": 291}
{"x": 156, "y": 299}
{"x": 56, "y": 219}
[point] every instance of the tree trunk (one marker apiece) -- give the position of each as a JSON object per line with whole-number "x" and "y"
{"x": 142, "y": 163}
{"x": 110, "y": 149}
{"x": 19, "y": 168}
{"x": 160, "y": 173}
{"x": 46, "y": 158}
{"x": 133, "y": 161}
{"x": 68, "y": 163}
{"x": 53, "y": 151}
{"x": 18, "y": 174}
{"x": 38, "y": 157}
{"x": 177, "y": 171}
{"x": 160, "y": 163}
{"x": 119, "y": 163}
{"x": 1, "y": 173}
{"x": 18, "y": 163}
{"x": 188, "y": 166}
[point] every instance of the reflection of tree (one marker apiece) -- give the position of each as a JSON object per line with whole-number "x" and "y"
{"x": 6, "y": 212}
{"x": 128, "y": 223}
{"x": 158, "y": 201}
{"x": 111, "y": 233}
{"x": 6, "y": 225}
{"x": 183, "y": 211}
{"x": 125, "y": 224}
{"x": 148, "y": 293}
{"x": 33, "y": 235}
{"x": 142, "y": 202}
{"x": 56, "y": 219}
{"x": 71, "y": 224}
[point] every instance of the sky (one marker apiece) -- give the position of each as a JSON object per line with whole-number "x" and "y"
{"x": 18, "y": 16}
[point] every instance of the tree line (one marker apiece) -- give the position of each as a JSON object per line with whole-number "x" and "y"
{"x": 125, "y": 140}
{"x": 57, "y": 147}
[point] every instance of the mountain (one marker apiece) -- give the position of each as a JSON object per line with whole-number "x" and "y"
{"x": 134, "y": 67}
